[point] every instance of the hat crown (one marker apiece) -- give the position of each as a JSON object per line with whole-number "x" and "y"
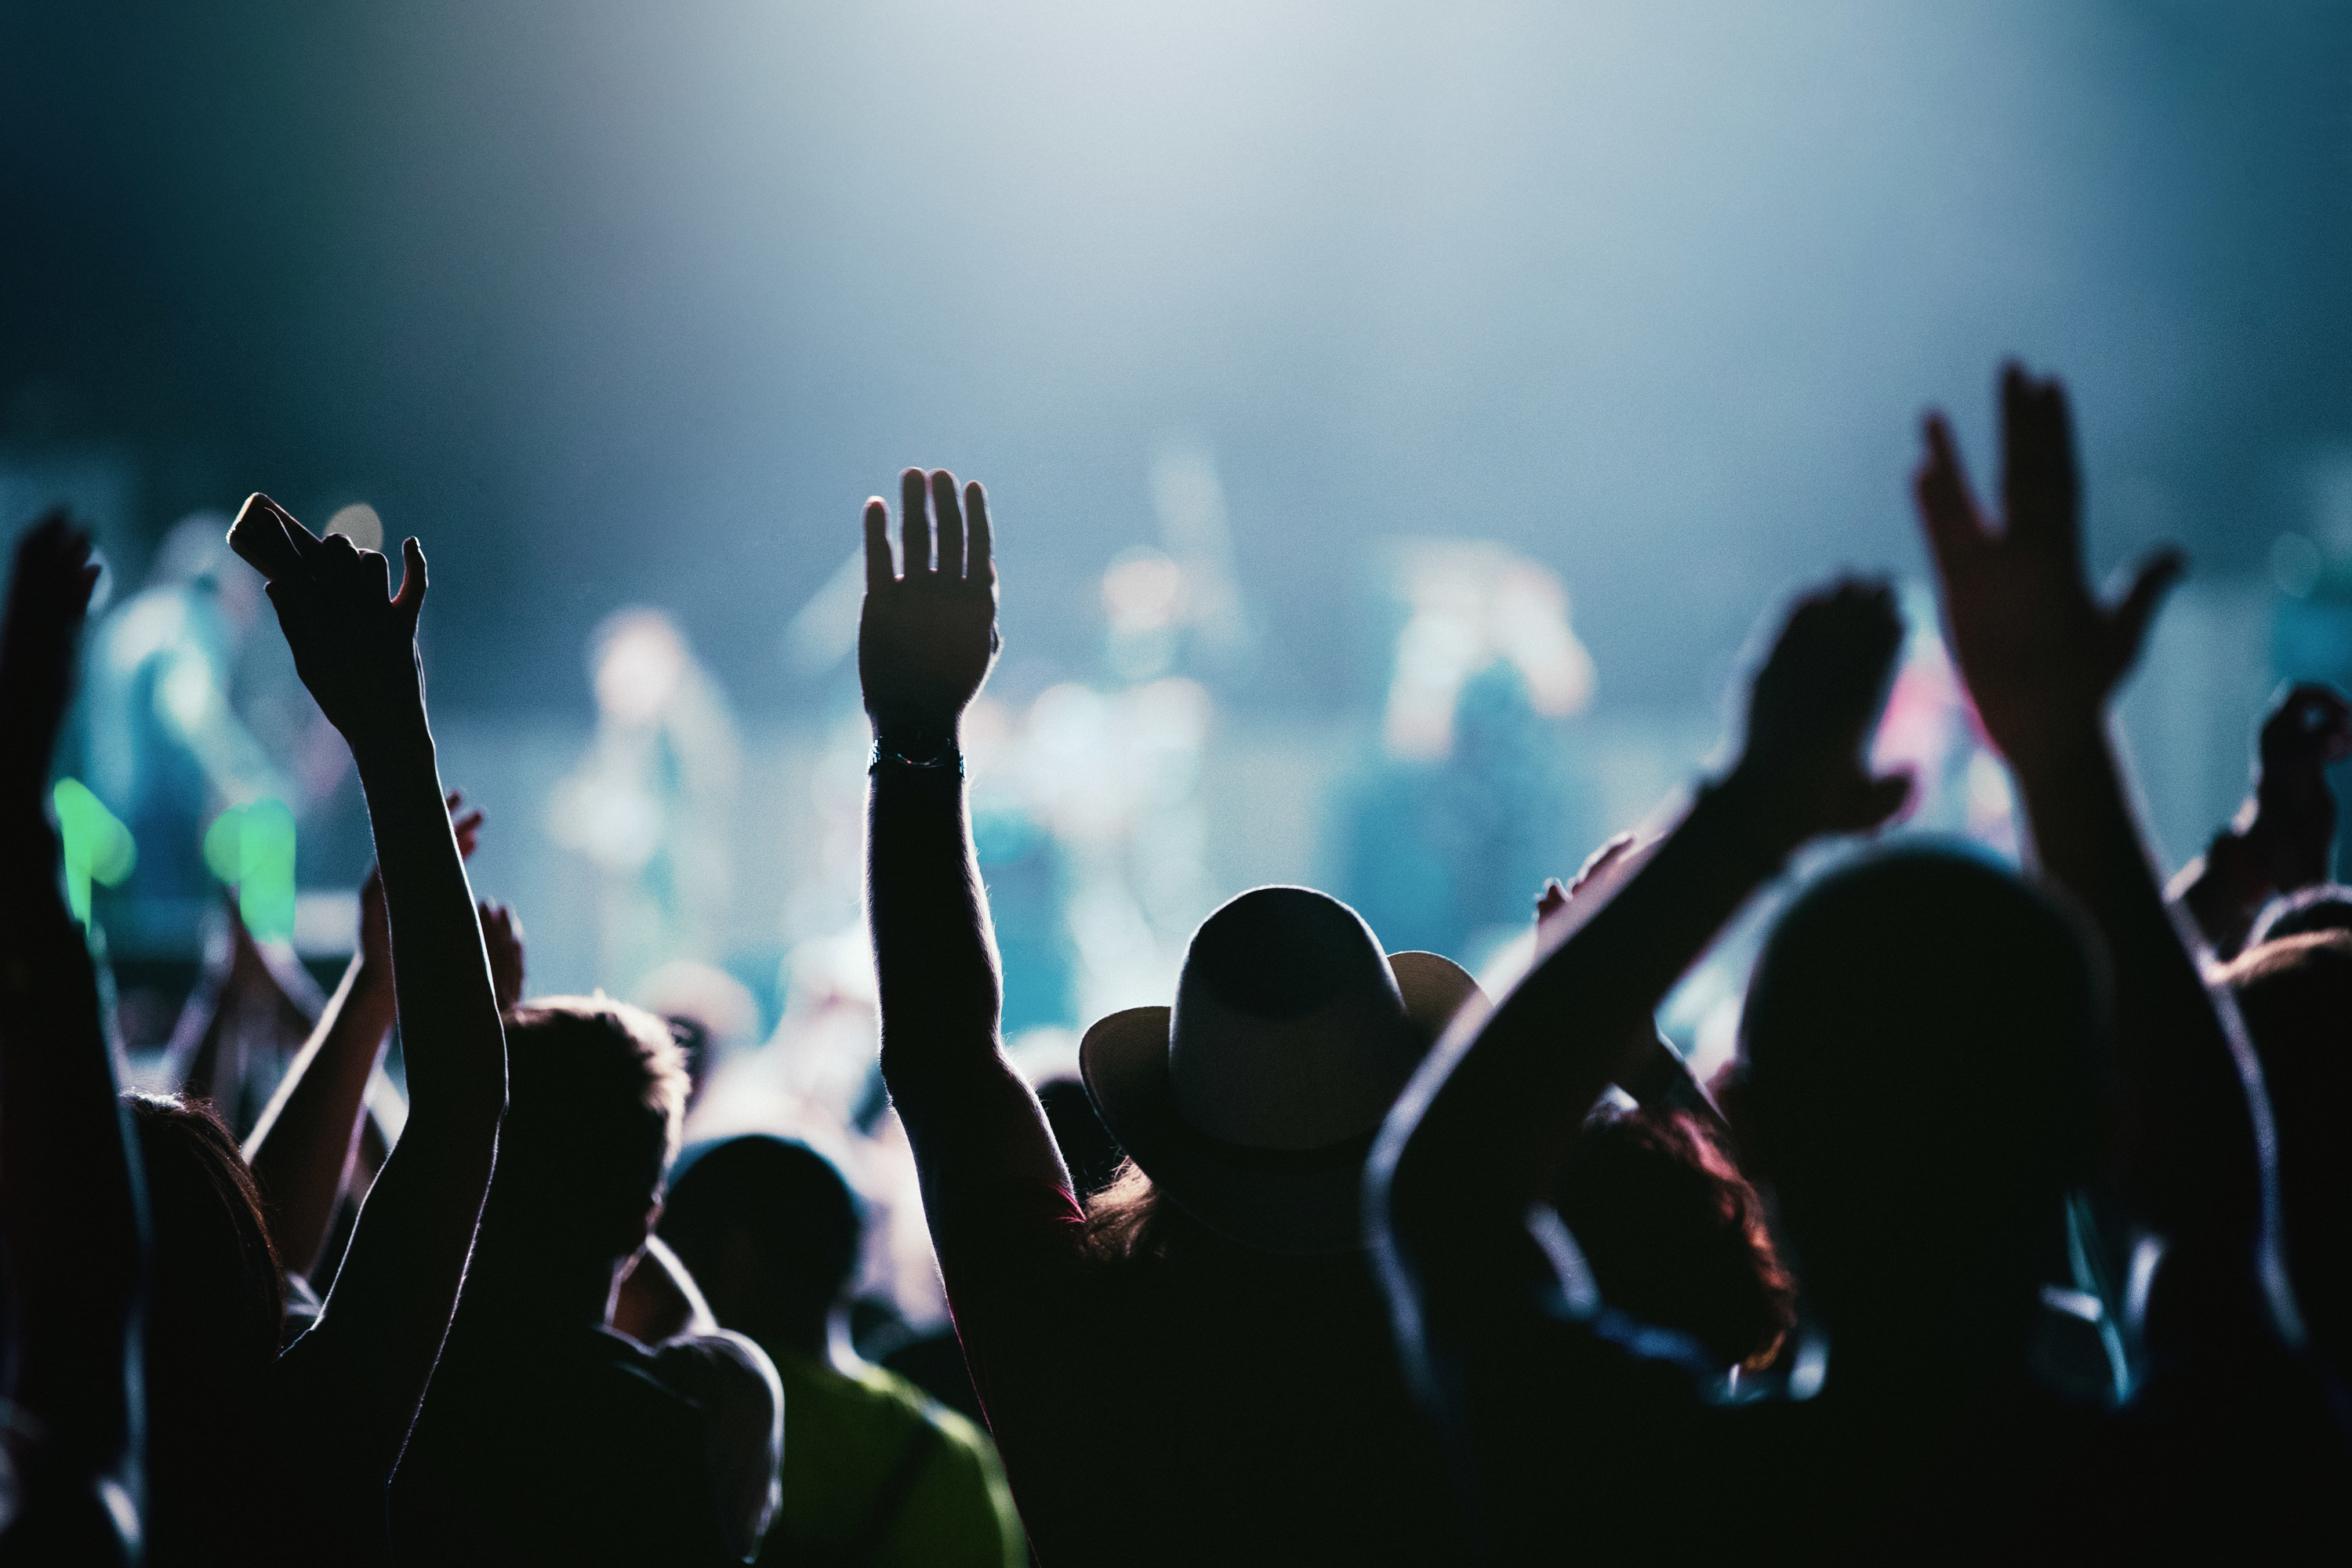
{"x": 1289, "y": 1031}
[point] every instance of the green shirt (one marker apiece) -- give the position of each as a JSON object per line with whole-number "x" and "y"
{"x": 848, "y": 1438}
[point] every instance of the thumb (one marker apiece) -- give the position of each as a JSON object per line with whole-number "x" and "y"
{"x": 2129, "y": 622}
{"x": 1876, "y": 802}
{"x": 411, "y": 597}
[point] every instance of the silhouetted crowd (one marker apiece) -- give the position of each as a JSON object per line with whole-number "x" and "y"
{"x": 2020, "y": 1226}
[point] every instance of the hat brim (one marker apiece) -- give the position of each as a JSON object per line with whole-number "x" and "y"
{"x": 1301, "y": 1202}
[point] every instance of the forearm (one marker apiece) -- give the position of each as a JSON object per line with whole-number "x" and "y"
{"x": 973, "y": 1120}
{"x": 400, "y": 1277}
{"x": 67, "y": 1173}
{"x": 934, "y": 951}
{"x": 301, "y": 1148}
{"x": 451, "y": 1041}
{"x": 2192, "y": 1140}
{"x": 2222, "y": 892}
{"x": 1503, "y": 1103}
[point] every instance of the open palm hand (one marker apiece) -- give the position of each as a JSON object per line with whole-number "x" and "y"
{"x": 2040, "y": 652}
{"x": 1813, "y": 709}
{"x": 927, "y": 637}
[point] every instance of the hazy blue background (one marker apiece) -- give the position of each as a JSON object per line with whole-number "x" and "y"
{"x": 623, "y": 304}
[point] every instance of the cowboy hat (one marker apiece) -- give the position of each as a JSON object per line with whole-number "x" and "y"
{"x": 1252, "y": 1102}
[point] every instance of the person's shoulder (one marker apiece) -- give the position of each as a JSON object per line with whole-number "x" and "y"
{"x": 894, "y": 1404}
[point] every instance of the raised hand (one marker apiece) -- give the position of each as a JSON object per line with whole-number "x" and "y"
{"x": 49, "y": 594}
{"x": 1811, "y": 712}
{"x": 2040, "y": 653}
{"x": 928, "y": 638}
{"x": 1560, "y": 910}
{"x": 354, "y": 641}
{"x": 2292, "y": 834}
{"x": 502, "y": 934}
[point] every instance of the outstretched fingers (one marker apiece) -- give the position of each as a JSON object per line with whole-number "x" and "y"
{"x": 951, "y": 522}
{"x": 414, "y": 580}
{"x": 2129, "y": 621}
{"x": 2317, "y": 716}
{"x": 55, "y": 573}
{"x": 2039, "y": 490}
{"x": 1948, "y": 510}
{"x": 981, "y": 563}
{"x": 914, "y": 525}
{"x": 880, "y": 573}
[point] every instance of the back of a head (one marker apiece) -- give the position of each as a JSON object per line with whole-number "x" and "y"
{"x": 595, "y": 1097}
{"x": 214, "y": 1320}
{"x": 2295, "y": 996}
{"x": 790, "y": 1208}
{"x": 1922, "y": 1048}
{"x": 1674, "y": 1233}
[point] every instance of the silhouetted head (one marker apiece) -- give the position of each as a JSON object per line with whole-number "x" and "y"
{"x": 1674, "y": 1233}
{"x": 2295, "y": 996}
{"x": 771, "y": 1231}
{"x": 214, "y": 1321}
{"x": 595, "y": 1095}
{"x": 1922, "y": 1077}
{"x": 1252, "y": 1101}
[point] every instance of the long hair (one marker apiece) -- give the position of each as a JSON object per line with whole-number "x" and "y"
{"x": 1675, "y": 1234}
{"x": 1130, "y": 1218}
{"x": 214, "y": 1325}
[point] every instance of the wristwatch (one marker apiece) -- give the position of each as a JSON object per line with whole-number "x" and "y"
{"x": 930, "y": 751}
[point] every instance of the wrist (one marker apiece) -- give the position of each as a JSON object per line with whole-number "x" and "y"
{"x": 925, "y": 727}
{"x": 2061, "y": 748}
{"x": 1767, "y": 819}
{"x": 390, "y": 745}
{"x": 934, "y": 749}
{"x": 2237, "y": 873}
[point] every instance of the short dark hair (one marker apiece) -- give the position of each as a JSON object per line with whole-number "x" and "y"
{"x": 788, "y": 1199}
{"x": 596, "y": 1098}
{"x": 1923, "y": 1056}
{"x": 2295, "y": 994}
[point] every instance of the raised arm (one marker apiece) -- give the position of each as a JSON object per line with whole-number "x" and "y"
{"x": 354, "y": 645}
{"x": 2284, "y": 837}
{"x": 302, "y": 1147}
{"x": 926, "y": 643}
{"x": 1476, "y": 1141}
{"x": 2043, "y": 659}
{"x": 69, "y": 1212}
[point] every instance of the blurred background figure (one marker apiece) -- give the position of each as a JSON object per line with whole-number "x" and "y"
{"x": 649, "y": 804}
{"x": 1476, "y": 793}
{"x": 874, "y": 1471}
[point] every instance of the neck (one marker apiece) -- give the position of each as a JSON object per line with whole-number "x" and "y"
{"x": 523, "y": 1282}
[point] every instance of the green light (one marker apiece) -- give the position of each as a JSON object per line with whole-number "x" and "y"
{"x": 97, "y": 847}
{"x": 252, "y": 846}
